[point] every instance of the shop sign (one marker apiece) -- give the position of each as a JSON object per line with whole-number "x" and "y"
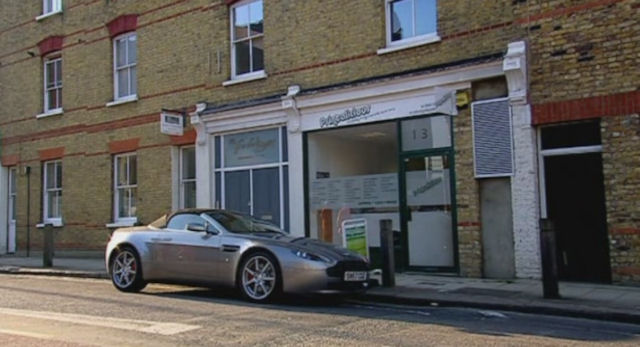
{"x": 354, "y": 236}
{"x": 444, "y": 103}
{"x": 171, "y": 123}
{"x": 251, "y": 148}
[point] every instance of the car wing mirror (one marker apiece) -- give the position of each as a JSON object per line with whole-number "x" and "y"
{"x": 210, "y": 229}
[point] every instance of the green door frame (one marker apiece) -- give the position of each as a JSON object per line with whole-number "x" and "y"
{"x": 402, "y": 189}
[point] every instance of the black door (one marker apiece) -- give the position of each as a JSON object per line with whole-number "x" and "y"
{"x": 576, "y": 205}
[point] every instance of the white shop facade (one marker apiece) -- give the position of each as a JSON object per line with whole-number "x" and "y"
{"x": 309, "y": 160}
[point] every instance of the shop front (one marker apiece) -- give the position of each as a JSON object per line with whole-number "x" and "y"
{"x": 317, "y": 162}
{"x": 399, "y": 170}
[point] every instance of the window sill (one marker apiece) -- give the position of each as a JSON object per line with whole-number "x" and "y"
{"x": 123, "y": 223}
{"x": 57, "y": 111}
{"x": 57, "y": 223}
{"x": 47, "y": 15}
{"x": 124, "y": 100}
{"x": 409, "y": 44}
{"x": 245, "y": 78}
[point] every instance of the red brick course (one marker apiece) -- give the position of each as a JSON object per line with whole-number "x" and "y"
{"x": 587, "y": 108}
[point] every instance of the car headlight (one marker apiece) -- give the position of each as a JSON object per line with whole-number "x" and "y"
{"x": 310, "y": 256}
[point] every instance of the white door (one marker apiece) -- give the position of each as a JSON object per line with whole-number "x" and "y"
{"x": 11, "y": 242}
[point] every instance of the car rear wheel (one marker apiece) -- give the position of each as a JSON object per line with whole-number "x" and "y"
{"x": 126, "y": 271}
{"x": 259, "y": 277}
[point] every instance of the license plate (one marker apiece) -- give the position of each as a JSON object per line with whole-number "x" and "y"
{"x": 355, "y": 276}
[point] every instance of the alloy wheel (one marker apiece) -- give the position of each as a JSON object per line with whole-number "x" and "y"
{"x": 258, "y": 277}
{"x": 124, "y": 269}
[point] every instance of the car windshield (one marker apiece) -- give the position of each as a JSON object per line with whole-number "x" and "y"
{"x": 241, "y": 223}
{"x": 159, "y": 223}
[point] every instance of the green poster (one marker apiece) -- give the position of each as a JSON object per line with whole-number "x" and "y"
{"x": 354, "y": 236}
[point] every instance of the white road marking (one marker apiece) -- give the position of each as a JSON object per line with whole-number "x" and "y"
{"x": 24, "y": 333}
{"x": 392, "y": 309}
{"x": 492, "y": 314}
{"x": 160, "y": 328}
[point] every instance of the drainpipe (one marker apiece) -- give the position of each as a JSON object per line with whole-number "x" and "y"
{"x": 27, "y": 171}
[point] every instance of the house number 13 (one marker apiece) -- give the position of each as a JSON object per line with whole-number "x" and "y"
{"x": 422, "y": 133}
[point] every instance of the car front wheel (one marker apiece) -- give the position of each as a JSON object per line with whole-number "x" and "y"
{"x": 126, "y": 271}
{"x": 259, "y": 277}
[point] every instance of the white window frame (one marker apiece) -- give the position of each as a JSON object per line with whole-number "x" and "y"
{"x": 56, "y": 7}
{"x": 181, "y": 179}
{"x": 55, "y": 220}
{"x": 116, "y": 68}
{"x": 414, "y": 41}
{"x": 51, "y": 63}
{"x": 544, "y": 153}
{"x": 13, "y": 193}
{"x": 251, "y": 75}
{"x": 127, "y": 220}
{"x": 281, "y": 165}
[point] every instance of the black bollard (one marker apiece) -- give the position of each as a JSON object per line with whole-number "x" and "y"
{"x": 47, "y": 252}
{"x": 386, "y": 247}
{"x": 549, "y": 260}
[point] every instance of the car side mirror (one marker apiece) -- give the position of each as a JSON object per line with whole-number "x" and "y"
{"x": 197, "y": 227}
{"x": 210, "y": 229}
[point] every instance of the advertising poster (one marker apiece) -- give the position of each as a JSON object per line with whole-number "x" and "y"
{"x": 354, "y": 236}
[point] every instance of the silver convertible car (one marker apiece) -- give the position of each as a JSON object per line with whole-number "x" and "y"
{"x": 223, "y": 248}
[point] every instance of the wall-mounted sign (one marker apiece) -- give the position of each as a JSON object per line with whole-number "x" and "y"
{"x": 354, "y": 236}
{"x": 171, "y": 123}
{"x": 443, "y": 102}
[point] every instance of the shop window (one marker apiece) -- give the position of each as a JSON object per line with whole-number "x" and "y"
{"x": 53, "y": 85}
{"x": 411, "y": 22}
{"x": 52, "y": 200}
{"x": 352, "y": 174}
{"x": 125, "y": 59}
{"x": 247, "y": 38}
{"x": 250, "y": 169}
{"x": 187, "y": 177}
{"x": 125, "y": 188}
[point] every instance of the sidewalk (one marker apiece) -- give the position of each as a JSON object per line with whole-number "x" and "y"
{"x": 596, "y": 301}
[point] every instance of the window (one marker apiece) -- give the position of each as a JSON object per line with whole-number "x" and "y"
{"x": 187, "y": 177}
{"x": 247, "y": 37}
{"x": 180, "y": 221}
{"x": 52, "y": 183}
{"x": 251, "y": 174}
{"x": 53, "y": 85}
{"x": 125, "y": 187}
{"x": 410, "y": 21}
{"x": 125, "y": 58}
{"x": 12, "y": 194}
{"x": 51, "y": 6}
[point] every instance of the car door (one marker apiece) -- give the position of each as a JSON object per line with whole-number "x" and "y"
{"x": 193, "y": 255}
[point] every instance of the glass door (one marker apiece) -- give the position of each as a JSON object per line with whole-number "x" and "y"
{"x": 428, "y": 211}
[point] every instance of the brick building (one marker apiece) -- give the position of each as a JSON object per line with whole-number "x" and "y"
{"x": 464, "y": 122}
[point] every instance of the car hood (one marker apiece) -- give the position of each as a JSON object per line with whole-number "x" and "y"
{"x": 309, "y": 245}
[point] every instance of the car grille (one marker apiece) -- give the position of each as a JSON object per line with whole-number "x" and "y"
{"x": 342, "y": 266}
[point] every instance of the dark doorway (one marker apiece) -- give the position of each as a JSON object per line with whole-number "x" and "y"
{"x": 576, "y": 205}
